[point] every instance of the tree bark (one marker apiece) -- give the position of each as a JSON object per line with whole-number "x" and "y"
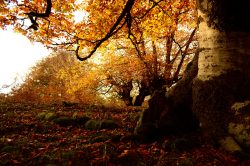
{"x": 208, "y": 92}
{"x": 143, "y": 92}
{"x": 124, "y": 92}
{"x": 170, "y": 112}
{"x": 224, "y": 70}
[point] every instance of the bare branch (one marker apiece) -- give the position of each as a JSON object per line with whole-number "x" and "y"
{"x": 183, "y": 55}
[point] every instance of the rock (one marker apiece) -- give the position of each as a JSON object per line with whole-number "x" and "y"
{"x": 230, "y": 145}
{"x": 145, "y": 131}
{"x": 241, "y": 107}
{"x": 179, "y": 145}
{"x": 50, "y": 116}
{"x": 63, "y": 121}
{"x": 69, "y": 104}
{"x": 79, "y": 121}
{"x": 108, "y": 124}
{"x": 241, "y": 133}
{"x": 68, "y": 155}
{"x": 101, "y": 138}
{"x": 80, "y": 118}
{"x": 170, "y": 111}
{"x": 116, "y": 138}
{"x": 92, "y": 125}
{"x": 239, "y": 127}
{"x": 213, "y": 99}
{"x": 69, "y": 121}
{"x": 41, "y": 115}
{"x": 78, "y": 114}
{"x": 149, "y": 117}
{"x": 8, "y": 149}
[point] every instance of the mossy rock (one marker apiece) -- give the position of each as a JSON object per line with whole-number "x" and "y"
{"x": 50, "y": 116}
{"x": 64, "y": 121}
{"x": 8, "y": 149}
{"x": 68, "y": 121}
{"x": 80, "y": 118}
{"x": 78, "y": 114}
{"x": 241, "y": 133}
{"x": 92, "y": 125}
{"x": 186, "y": 162}
{"x": 145, "y": 131}
{"x": 180, "y": 144}
{"x": 68, "y": 155}
{"x": 116, "y": 138}
{"x": 41, "y": 115}
{"x": 69, "y": 104}
{"x": 101, "y": 138}
{"x": 241, "y": 108}
{"x": 229, "y": 144}
{"x": 108, "y": 124}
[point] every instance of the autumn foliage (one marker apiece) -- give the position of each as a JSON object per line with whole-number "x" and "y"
{"x": 142, "y": 47}
{"x": 54, "y": 80}
{"x": 105, "y": 52}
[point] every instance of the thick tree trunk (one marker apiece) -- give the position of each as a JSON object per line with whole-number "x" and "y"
{"x": 224, "y": 65}
{"x": 222, "y": 79}
{"x": 148, "y": 89}
{"x": 170, "y": 112}
{"x": 125, "y": 93}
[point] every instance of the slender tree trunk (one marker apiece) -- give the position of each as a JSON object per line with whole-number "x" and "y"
{"x": 125, "y": 93}
{"x": 140, "y": 98}
{"x": 143, "y": 92}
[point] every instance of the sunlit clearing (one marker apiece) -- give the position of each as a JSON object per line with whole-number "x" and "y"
{"x": 17, "y": 55}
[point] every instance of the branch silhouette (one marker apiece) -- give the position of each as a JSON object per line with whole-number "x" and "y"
{"x": 34, "y": 15}
{"x": 114, "y": 29}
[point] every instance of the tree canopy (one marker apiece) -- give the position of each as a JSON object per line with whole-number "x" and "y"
{"x": 84, "y": 26}
{"x": 133, "y": 43}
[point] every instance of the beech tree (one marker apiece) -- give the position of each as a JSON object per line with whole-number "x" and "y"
{"x": 59, "y": 78}
{"x": 223, "y": 67}
{"x": 216, "y": 79}
{"x": 161, "y": 51}
{"x": 41, "y": 84}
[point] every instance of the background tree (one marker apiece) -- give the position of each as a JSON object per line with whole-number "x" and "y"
{"x": 54, "y": 79}
{"x": 158, "y": 33}
{"x": 161, "y": 51}
{"x": 41, "y": 85}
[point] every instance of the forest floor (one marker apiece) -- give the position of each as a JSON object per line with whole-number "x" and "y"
{"x": 26, "y": 139}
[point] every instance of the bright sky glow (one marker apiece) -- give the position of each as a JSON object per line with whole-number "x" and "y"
{"x": 80, "y": 15}
{"x": 17, "y": 55}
